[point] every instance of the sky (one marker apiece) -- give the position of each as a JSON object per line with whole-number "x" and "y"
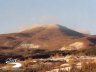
{"x": 79, "y": 15}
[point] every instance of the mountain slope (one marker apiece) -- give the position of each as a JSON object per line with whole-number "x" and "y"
{"x": 50, "y": 37}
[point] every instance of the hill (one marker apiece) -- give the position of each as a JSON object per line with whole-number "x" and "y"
{"x": 51, "y": 37}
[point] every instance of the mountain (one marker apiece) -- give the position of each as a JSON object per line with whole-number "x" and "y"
{"x": 51, "y": 37}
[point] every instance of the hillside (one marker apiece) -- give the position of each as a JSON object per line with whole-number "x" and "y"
{"x": 51, "y": 37}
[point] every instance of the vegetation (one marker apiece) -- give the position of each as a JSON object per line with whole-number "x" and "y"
{"x": 90, "y": 67}
{"x": 23, "y": 54}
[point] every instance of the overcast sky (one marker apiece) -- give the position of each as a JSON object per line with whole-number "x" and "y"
{"x": 76, "y": 14}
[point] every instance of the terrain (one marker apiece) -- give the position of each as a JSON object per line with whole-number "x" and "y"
{"x": 51, "y": 37}
{"x": 47, "y": 45}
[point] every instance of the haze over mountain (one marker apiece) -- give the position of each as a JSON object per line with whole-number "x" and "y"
{"x": 52, "y": 37}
